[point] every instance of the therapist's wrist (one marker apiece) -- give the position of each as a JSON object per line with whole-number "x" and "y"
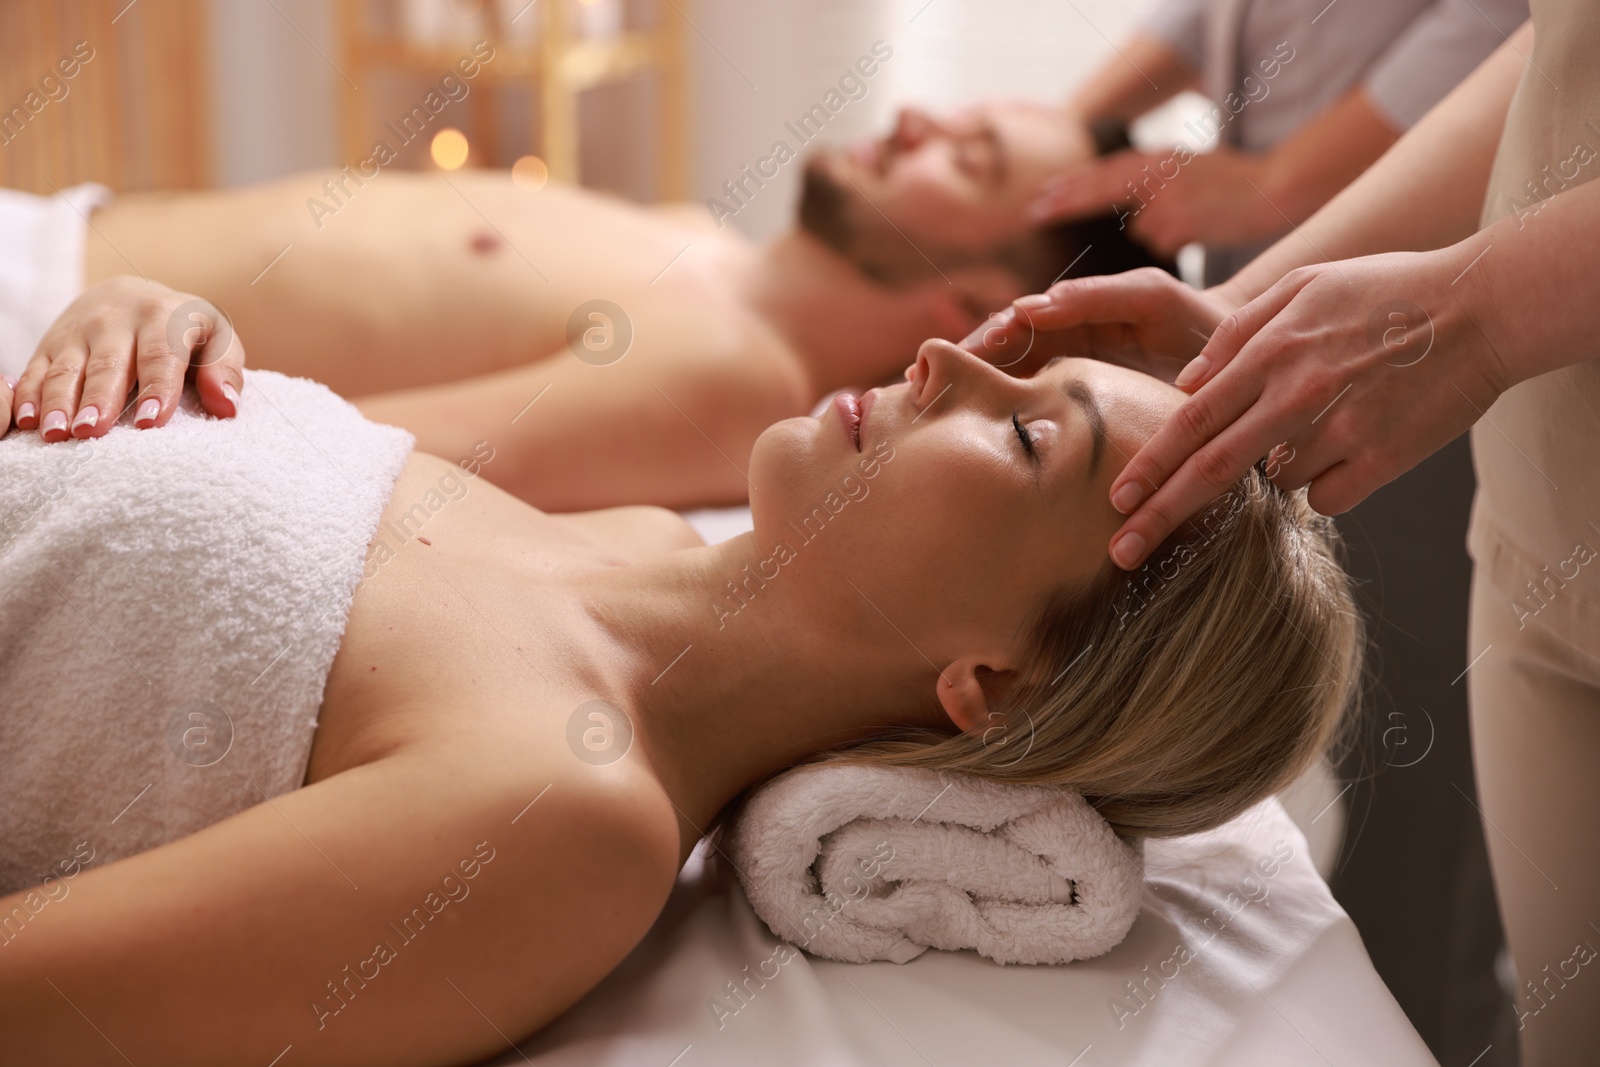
{"x": 1228, "y": 296}
{"x": 1490, "y": 349}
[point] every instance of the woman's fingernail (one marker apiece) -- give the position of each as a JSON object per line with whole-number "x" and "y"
{"x": 89, "y": 416}
{"x": 1033, "y": 303}
{"x": 1127, "y": 549}
{"x": 1193, "y": 371}
{"x": 1127, "y": 498}
{"x": 53, "y": 421}
{"x": 147, "y": 411}
{"x": 11, "y": 383}
{"x": 232, "y": 394}
{"x": 26, "y": 411}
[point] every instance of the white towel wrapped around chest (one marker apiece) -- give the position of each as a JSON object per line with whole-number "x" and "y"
{"x": 860, "y": 863}
{"x": 171, "y": 601}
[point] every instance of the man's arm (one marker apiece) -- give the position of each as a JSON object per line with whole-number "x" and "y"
{"x": 671, "y": 422}
{"x": 1424, "y": 193}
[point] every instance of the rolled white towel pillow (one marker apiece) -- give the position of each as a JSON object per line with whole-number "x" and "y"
{"x": 857, "y": 863}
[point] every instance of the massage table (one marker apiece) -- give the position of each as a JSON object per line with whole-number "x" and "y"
{"x": 1275, "y": 975}
{"x": 1239, "y": 956}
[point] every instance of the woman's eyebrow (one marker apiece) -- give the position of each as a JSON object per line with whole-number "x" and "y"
{"x": 1078, "y": 391}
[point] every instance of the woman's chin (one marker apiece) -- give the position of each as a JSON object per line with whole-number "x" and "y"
{"x": 789, "y": 459}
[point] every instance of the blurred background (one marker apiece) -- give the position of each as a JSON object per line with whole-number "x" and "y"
{"x": 667, "y": 99}
{"x": 650, "y": 99}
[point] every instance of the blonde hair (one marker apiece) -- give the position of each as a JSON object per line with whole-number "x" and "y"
{"x": 1176, "y": 697}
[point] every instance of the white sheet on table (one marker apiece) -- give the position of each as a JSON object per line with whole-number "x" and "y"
{"x": 1285, "y": 981}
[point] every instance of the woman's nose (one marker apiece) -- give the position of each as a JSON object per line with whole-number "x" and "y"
{"x": 942, "y": 366}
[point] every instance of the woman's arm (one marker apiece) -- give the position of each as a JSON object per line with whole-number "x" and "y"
{"x": 411, "y": 911}
{"x": 119, "y": 333}
{"x": 1425, "y": 192}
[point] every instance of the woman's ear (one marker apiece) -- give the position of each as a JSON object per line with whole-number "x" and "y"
{"x": 965, "y": 688}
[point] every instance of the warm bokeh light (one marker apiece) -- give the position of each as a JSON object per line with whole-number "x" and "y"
{"x": 450, "y": 148}
{"x": 530, "y": 173}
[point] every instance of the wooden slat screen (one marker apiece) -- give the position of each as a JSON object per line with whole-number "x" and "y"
{"x": 104, "y": 90}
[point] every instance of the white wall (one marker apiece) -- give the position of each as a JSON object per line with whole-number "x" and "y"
{"x": 274, "y": 106}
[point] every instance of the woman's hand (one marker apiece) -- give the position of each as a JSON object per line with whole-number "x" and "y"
{"x": 1144, "y": 319}
{"x": 1170, "y": 198}
{"x": 122, "y": 332}
{"x": 1349, "y": 373}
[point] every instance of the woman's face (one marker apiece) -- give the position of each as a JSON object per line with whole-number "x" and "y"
{"x": 940, "y": 515}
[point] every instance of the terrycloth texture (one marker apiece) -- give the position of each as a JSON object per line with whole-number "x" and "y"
{"x": 861, "y": 863}
{"x": 170, "y": 604}
{"x": 41, "y": 268}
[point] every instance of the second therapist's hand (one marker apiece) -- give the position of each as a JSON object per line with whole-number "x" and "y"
{"x": 1173, "y": 197}
{"x": 121, "y": 333}
{"x": 1343, "y": 375}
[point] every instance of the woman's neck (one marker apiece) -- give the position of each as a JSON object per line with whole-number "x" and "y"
{"x": 732, "y": 666}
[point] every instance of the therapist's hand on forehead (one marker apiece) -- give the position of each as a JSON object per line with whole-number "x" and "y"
{"x": 1345, "y": 375}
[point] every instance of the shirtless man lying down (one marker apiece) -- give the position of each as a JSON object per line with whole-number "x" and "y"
{"x": 467, "y": 309}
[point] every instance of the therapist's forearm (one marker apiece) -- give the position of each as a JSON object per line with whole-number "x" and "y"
{"x": 1144, "y": 74}
{"x": 1424, "y": 193}
{"x": 1530, "y": 280}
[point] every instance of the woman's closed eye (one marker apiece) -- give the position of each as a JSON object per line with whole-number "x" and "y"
{"x": 1024, "y": 436}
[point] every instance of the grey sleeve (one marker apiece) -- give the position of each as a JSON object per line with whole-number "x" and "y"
{"x": 1179, "y": 24}
{"x": 1435, "y": 53}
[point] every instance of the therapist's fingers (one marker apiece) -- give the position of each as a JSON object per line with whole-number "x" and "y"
{"x": 1093, "y": 189}
{"x": 1343, "y": 486}
{"x": 1236, "y": 331}
{"x": 1132, "y": 296}
{"x": 1205, "y": 474}
{"x": 1041, "y": 324}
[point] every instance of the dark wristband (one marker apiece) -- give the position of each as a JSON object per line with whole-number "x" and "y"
{"x": 1109, "y": 135}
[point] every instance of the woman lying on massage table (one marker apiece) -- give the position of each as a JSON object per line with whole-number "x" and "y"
{"x": 926, "y": 575}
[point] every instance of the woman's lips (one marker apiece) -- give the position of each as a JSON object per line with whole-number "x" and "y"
{"x": 850, "y": 413}
{"x": 863, "y": 406}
